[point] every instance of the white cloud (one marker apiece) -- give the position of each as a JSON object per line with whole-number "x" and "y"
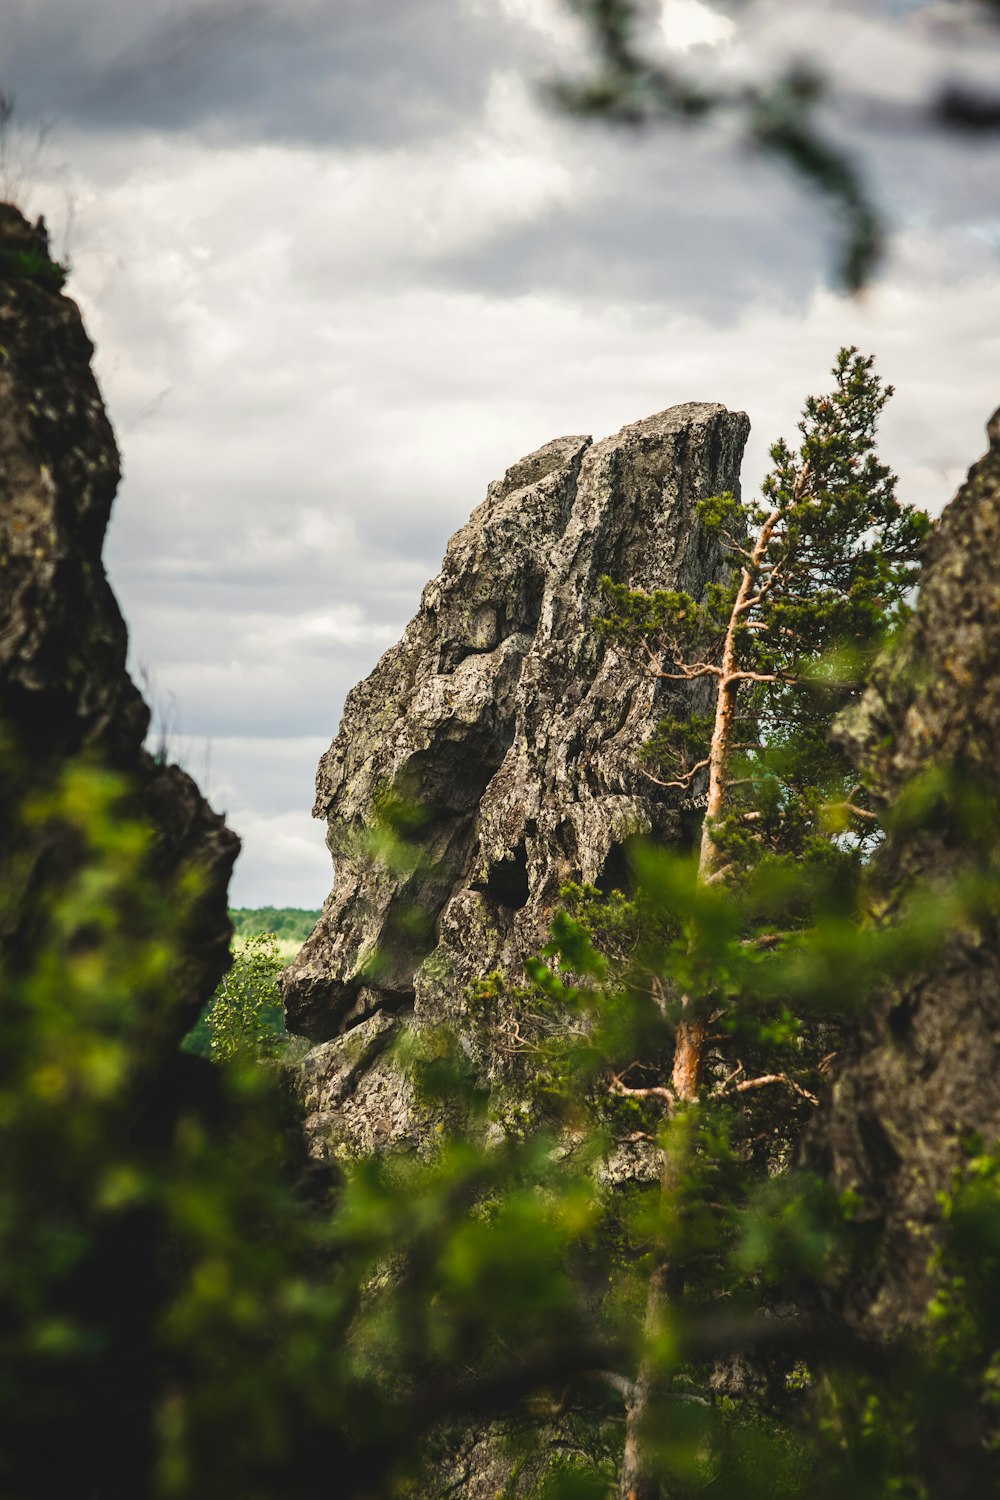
{"x": 689, "y": 23}
{"x": 263, "y": 785}
{"x": 283, "y": 862}
{"x": 342, "y": 626}
{"x": 548, "y": 19}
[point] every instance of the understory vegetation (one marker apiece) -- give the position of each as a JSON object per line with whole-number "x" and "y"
{"x": 244, "y": 1016}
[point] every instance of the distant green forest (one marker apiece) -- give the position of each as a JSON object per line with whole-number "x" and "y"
{"x": 289, "y": 922}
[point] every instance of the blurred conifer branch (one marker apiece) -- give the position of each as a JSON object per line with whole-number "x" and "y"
{"x": 779, "y": 116}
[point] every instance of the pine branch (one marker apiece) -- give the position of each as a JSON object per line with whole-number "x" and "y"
{"x": 765, "y": 1080}
{"x": 685, "y": 780}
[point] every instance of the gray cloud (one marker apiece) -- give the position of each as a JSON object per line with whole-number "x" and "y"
{"x": 665, "y": 220}
{"x": 342, "y": 270}
{"x": 357, "y": 71}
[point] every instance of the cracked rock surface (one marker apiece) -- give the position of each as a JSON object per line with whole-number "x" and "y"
{"x": 516, "y": 730}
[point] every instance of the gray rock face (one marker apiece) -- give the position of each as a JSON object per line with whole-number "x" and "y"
{"x": 516, "y": 729}
{"x": 924, "y": 1072}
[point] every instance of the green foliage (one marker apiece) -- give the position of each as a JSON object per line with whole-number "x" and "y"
{"x": 200, "y": 1311}
{"x": 780, "y": 117}
{"x": 201, "y": 1314}
{"x": 823, "y": 565}
{"x": 784, "y": 117}
{"x": 192, "y": 1308}
{"x": 287, "y": 922}
{"x": 920, "y": 1420}
{"x": 244, "y": 1017}
{"x": 575, "y": 1477}
{"x": 740, "y": 1234}
{"x": 30, "y": 264}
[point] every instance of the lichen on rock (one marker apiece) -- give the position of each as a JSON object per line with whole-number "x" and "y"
{"x": 515, "y": 728}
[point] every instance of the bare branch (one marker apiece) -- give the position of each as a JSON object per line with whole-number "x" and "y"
{"x": 619, "y": 1383}
{"x": 656, "y": 1091}
{"x": 652, "y": 658}
{"x": 688, "y": 673}
{"x": 736, "y": 546}
{"x": 684, "y": 781}
{"x": 658, "y": 994}
{"x": 762, "y": 677}
{"x": 763, "y": 1081}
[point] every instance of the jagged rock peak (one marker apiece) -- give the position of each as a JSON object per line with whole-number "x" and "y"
{"x": 517, "y": 729}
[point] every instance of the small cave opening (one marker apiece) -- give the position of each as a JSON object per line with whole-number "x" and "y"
{"x": 507, "y": 881}
{"x": 449, "y": 777}
{"x": 617, "y": 872}
{"x": 690, "y": 821}
{"x": 883, "y": 1158}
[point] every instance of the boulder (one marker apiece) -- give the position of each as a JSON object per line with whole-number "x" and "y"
{"x": 67, "y": 706}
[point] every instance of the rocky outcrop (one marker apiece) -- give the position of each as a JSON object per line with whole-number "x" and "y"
{"x": 923, "y": 1074}
{"x": 513, "y": 729}
{"x": 64, "y": 691}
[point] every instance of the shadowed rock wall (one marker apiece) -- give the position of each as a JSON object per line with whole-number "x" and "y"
{"x": 924, "y": 1071}
{"x": 516, "y": 729}
{"x": 64, "y": 690}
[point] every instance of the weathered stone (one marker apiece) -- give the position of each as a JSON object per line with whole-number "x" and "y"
{"x": 66, "y": 701}
{"x": 923, "y": 1073}
{"x": 64, "y": 691}
{"x": 516, "y": 729}
{"x": 329, "y": 1080}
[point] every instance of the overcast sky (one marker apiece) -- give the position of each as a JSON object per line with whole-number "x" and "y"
{"x": 343, "y": 267}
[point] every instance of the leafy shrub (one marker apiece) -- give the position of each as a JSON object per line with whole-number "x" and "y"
{"x": 244, "y": 1017}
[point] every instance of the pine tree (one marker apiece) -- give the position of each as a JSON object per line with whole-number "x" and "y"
{"x": 823, "y": 563}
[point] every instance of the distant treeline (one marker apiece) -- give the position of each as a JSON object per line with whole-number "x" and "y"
{"x": 283, "y": 921}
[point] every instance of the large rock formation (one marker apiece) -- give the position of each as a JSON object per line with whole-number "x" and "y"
{"x": 515, "y": 730}
{"x": 923, "y": 1074}
{"x": 64, "y": 691}
{"x": 66, "y": 703}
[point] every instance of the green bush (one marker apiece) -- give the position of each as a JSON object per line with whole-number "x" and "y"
{"x": 244, "y": 1017}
